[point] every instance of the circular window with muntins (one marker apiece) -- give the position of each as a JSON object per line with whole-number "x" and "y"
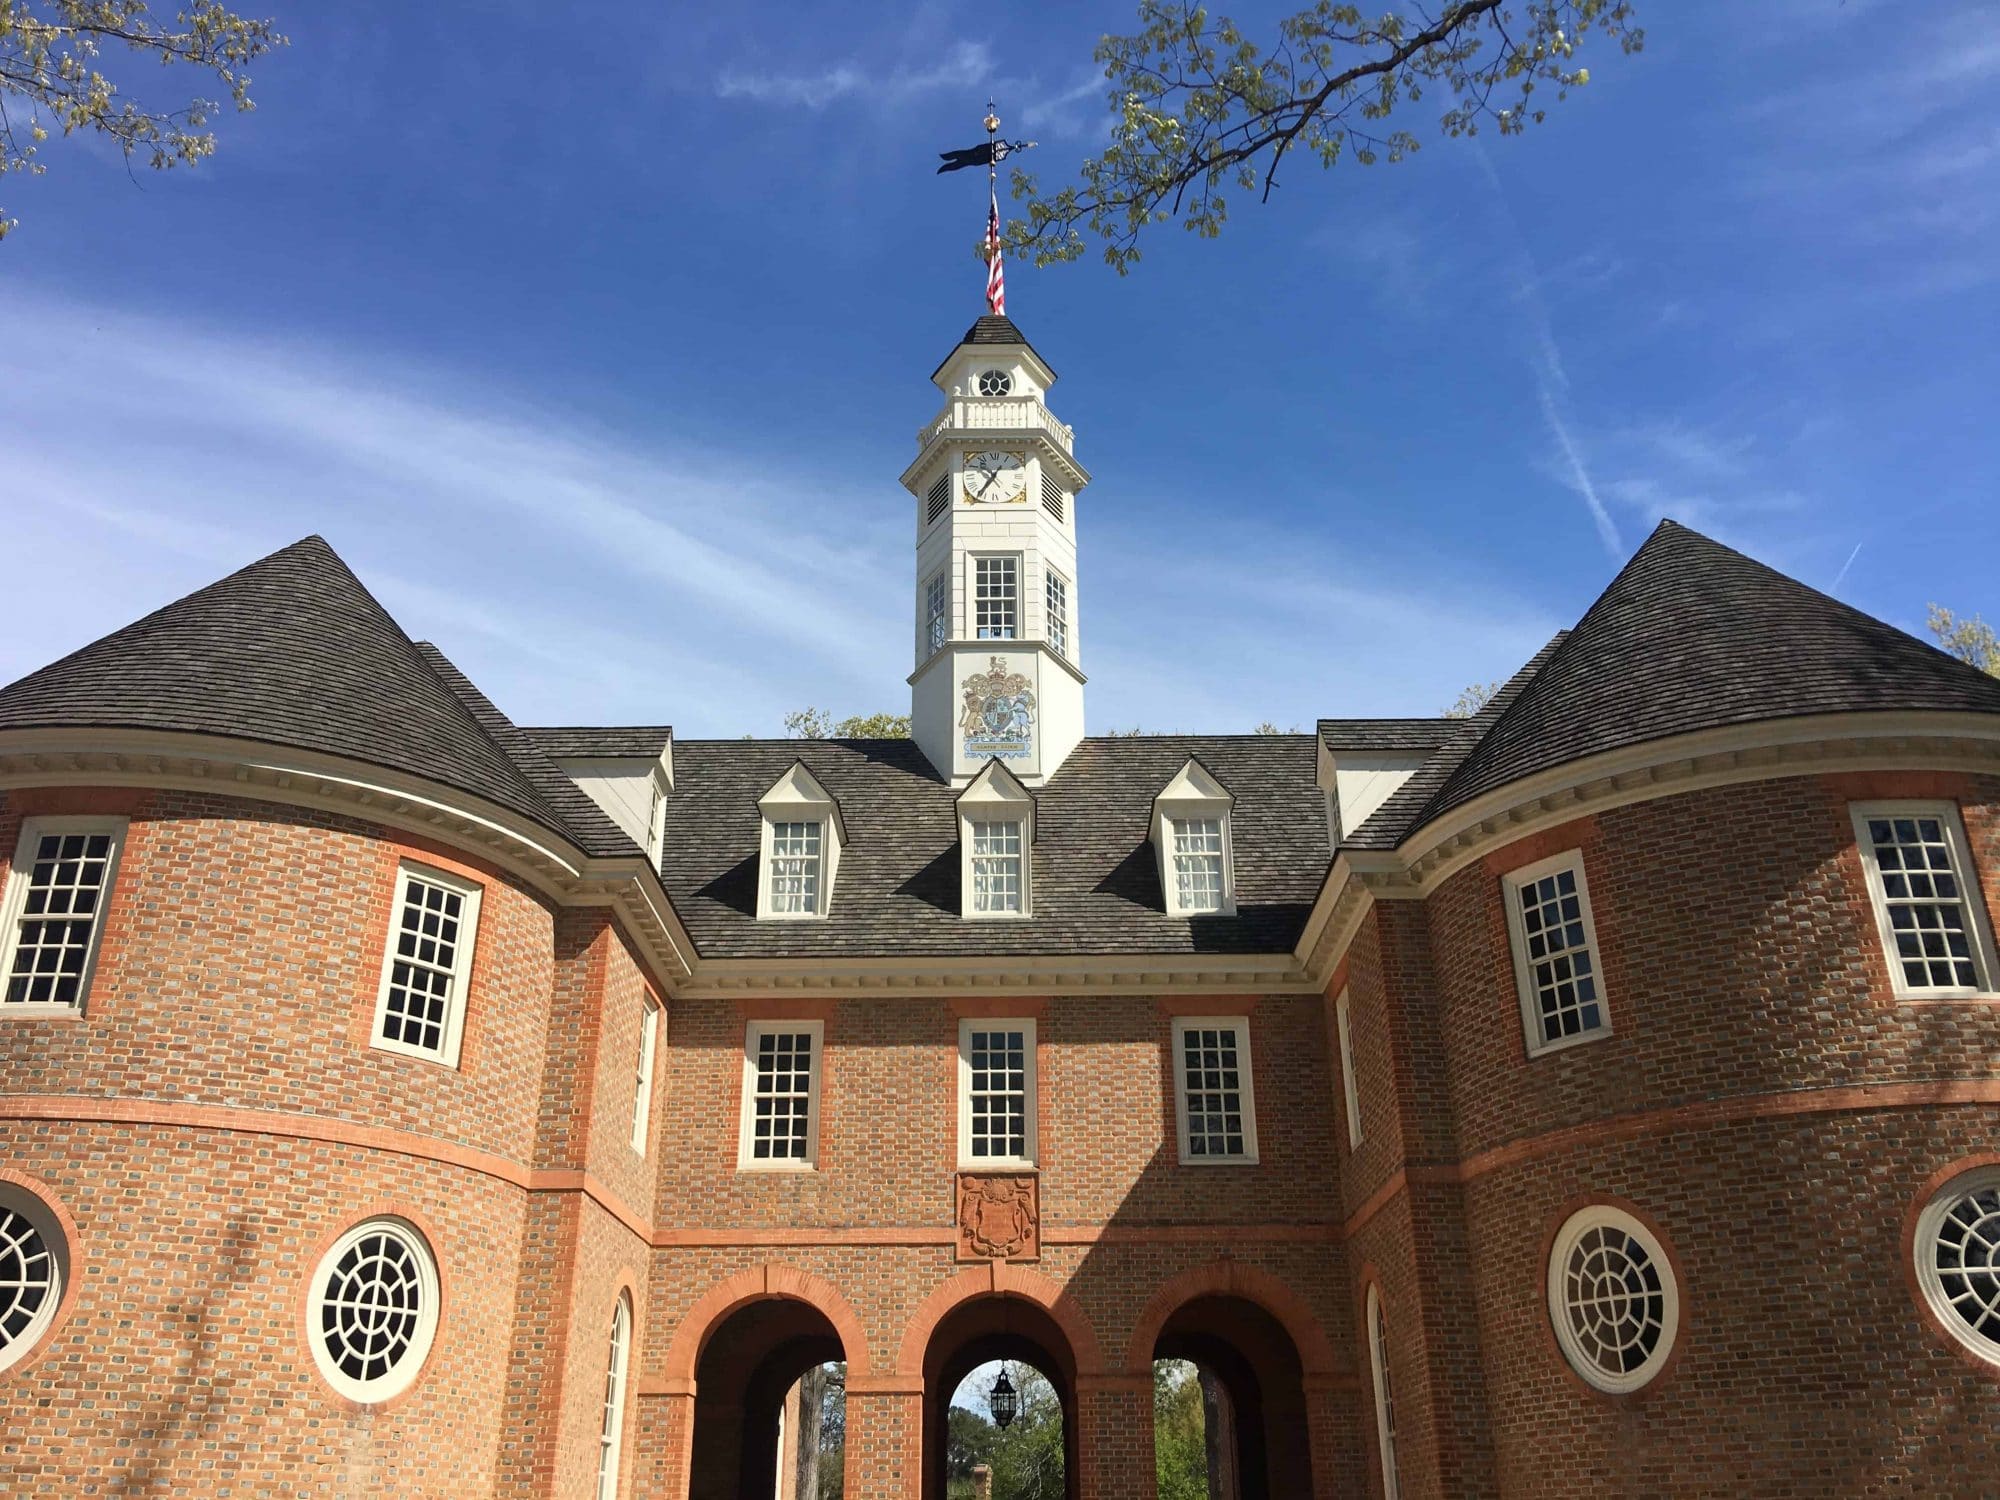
{"x": 34, "y": 1262}
{"x": 1612, "y": 1298}
{"x": 373, "y": 1309}
{"x": 995, "y": 382}
{"x": 1958, "y": 1259}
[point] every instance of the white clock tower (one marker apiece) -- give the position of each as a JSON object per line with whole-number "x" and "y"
{"x": 998, "y": 661}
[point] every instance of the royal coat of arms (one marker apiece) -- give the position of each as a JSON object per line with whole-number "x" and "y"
{"x": 998, "y": 716}
{"x": 999, "y": 1216}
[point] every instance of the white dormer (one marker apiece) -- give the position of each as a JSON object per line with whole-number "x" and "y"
{"x": 1358, "y": 782}
{"x": 801, "y": 842}
{"x": 1194, "y": 843}
{"x": 631, "y": 790}
{"x": 996, "y": 838}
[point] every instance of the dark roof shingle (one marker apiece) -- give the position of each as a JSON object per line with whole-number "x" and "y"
{"x": 1096, "y": 883}
{"x": 292, "y": 650}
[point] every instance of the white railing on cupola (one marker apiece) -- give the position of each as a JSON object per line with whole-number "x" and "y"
{"x": 994, "y": 413}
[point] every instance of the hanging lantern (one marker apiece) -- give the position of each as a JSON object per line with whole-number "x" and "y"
{"x": 1004, "y": 1401}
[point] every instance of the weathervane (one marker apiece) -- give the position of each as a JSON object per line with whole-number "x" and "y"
{"x": 989, "y": 156}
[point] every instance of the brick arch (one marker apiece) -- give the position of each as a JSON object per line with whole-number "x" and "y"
{"x": 1002, "y": 1280}
{"x": 1229, "y": 1278}
{"x": 772, "y": 1279}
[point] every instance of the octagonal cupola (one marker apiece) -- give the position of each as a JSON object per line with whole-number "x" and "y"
{"x": 998, "y": 669}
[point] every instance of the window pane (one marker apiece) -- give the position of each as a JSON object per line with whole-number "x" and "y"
{"x": 997, "y": 1083}
{"x": 423, "y": 976}
{"x": 1922, "y": 898}
{"x": 996, "y": 867}
{"x": 783, "y": 1099}
{"x": 67, "y": 874}
{"x": 1197, "y": 863}
{"x": 1562, "y": 969}
{"x": 1214, "y": 1092}
{"x": 994, "y": 598}
{"x": 795, "y": 849}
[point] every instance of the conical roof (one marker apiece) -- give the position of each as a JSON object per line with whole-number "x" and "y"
{"x": 291, "y": 650}
{"x": 1692, "y": 635}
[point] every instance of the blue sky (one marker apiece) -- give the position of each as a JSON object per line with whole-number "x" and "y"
{"x": 595, "y": 338}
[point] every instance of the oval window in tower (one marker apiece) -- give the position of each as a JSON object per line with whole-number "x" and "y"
{"x": 34, "y": 1267}
{"x": 1612, "y": 1298}
{"x": 373, "y": 1309}
{"x": 995, "y": 382}
{"x": 1958, "y": 1259}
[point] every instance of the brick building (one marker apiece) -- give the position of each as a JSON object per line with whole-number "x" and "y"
{"x": 1595, "y": 1096}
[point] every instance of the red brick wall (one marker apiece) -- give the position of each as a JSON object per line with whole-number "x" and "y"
{"x": 1745, "y": 981}
{"x": 184, "y": 1367}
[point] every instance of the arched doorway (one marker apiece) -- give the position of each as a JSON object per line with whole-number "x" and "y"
{"x": 975, "y": 1333}
{"x": 1254, "y": 1406}
{"x": 750, "y": 1361}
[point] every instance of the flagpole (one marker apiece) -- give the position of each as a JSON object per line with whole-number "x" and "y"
{"x": 992, "y": 124}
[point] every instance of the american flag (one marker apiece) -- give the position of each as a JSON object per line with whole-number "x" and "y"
{"x": 996, "y": 275}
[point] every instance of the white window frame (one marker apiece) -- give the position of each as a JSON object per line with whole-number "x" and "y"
{"x": 1378, "y": 1368}
{"x": 404, "y": 1374}
{"x": 1246, "y": 1088}
{"x": 1930, "y": 1221}
{"x": 1349, "y": 1089}
{"x": 1972, "y": 896}
{"x": 1580, "y": 1223}
{"x": 966, "y": 1027}
{"x": 1055, "y": 609}
{"x": 935, "y": 630}
{"x": 1019, "y": 859}
{"x": 13, "y": 908}
{"x": 1524, "y": 976}
{"x": 651, "y": 1016}
{"x": 811, "y": 866}
{"x": 19, "y": 1201}
{"x": 447, "y": 1053}
{"x": 973, "y": 601}
{"x": 611, "y": 1426}
{"x": 753, "y": 1031}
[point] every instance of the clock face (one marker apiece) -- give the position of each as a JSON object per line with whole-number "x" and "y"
{"x": 996, "y": 478}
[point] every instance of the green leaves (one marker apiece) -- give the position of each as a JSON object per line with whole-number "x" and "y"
{"x": 49, "y": 55}
{"x": 1198, "y": 107}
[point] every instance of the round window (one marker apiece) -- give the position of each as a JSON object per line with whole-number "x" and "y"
{"x": 33, "y": 1262}
{"x": 1612, "y": 1298}
{"x": 995, "y": 382}
{"x": 1958, "y": 1259}
{"x": 374, "y": 1308}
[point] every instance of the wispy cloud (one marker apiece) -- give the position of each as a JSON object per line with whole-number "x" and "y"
{"x": 1545, "y": 359}
{"x": 484, "y": 513}
{"x": 966, "y": 64}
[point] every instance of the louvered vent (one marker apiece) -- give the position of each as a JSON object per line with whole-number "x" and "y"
{"x": 1052, "y": 496}
{"x": 940, "y": 500}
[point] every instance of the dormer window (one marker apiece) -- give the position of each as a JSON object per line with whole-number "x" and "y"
{"x": 996, "y": 829}
{"x": 1192, "y": 840}
{"x": 803, "y": 837}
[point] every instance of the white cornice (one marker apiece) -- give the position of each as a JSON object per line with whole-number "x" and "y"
{"x": 1001, "y": 974}
{"x": 255, "y": 769}
{"x": 1764, "y": 750}
{"x": 1011, "y": 647}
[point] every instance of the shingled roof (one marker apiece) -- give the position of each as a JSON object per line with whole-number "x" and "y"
{"x": 291, "y": 650}
{"x": 1386, "y": 736}
{"x": 1096, "y": 883}
{"x": 993, "y": 329}
{"x": 1689, "y": 636}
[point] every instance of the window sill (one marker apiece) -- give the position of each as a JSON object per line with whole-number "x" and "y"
{"x": 996, "y": 1164}
{"x": 390, "y": 1049}
{"x": 1603, "y": 1033}
{"x": 40, "y": 1010}
{"x": 1947, "y": 997}
{"x": 1219, "y": 1161}
{"x": 776, "y": 1166}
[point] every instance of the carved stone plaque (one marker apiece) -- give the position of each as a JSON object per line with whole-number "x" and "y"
{"x": 999, "y": 1216}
